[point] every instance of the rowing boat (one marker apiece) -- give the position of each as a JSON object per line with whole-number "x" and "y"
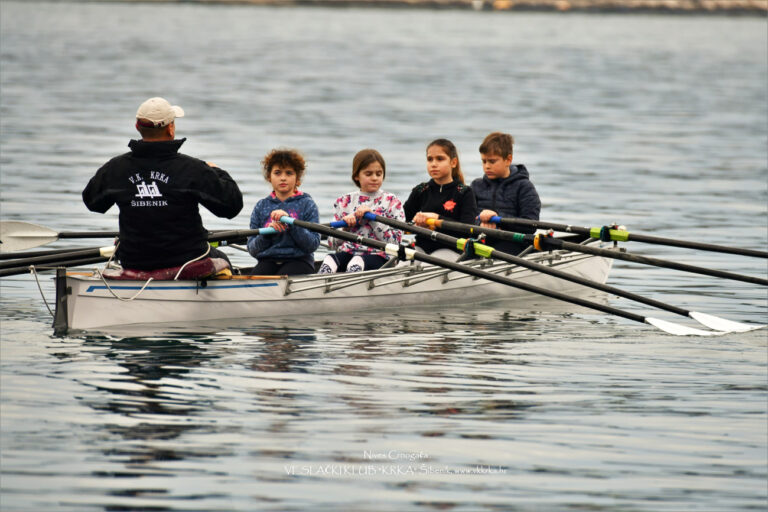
{"x": 87, "y": 301}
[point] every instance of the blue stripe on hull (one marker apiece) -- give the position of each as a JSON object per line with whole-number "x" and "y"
{"x": 187, "y": 287}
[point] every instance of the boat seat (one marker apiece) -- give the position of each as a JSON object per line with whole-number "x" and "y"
{"x": 205, "y": 267}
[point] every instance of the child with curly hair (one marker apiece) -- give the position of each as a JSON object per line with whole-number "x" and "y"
{"x": 291, "y": 250}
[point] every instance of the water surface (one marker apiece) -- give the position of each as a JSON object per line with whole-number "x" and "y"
{"x": 655, "y": 122}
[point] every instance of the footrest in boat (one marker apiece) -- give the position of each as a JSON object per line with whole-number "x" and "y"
{"x": 195, "y": 270}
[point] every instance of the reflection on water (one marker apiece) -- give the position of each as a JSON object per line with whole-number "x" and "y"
{"x": 413, "y": 405}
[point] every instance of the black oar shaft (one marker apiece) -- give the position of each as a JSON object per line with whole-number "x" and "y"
{"x": 634, "y": 237}
{"x": 556, "y": 243}
{"x": 52, "y": 258}
{"x": 560, "y": 244}
{"x": 33, "y": 254}
{"x": 510, "y": 258}
{"x": 648, "y": 239}
{"x": 458, "y": 267}
{"x": 25, "y": 269}
{"x": 88, "y": 234}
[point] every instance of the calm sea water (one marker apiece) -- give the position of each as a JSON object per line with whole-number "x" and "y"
{"x": 658, "y": 123}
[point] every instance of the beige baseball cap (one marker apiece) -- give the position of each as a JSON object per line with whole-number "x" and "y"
{"x": 158, "y": 112}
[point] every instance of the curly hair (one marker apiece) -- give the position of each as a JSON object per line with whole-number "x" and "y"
{"x": 285, "y": 158}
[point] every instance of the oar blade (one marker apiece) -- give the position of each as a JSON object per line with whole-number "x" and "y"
{"x": 17, "y": 235}
{"x": 679, "y": 330}
{"x": 722, "y": 324}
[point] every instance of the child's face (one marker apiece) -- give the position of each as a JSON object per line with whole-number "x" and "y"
{"x": 284, "y": 180}
{"x": 371, "y": 177}
{"x": 495, "y": 166}
{"x": 440, "y": 165}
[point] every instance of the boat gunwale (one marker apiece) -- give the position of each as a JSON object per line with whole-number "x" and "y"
{"x": 414, "y": 274}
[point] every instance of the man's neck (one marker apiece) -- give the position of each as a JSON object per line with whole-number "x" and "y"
{"x": 157, "y": 139}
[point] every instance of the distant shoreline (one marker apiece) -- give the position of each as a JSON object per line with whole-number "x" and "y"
{"x": 732, "y": 7}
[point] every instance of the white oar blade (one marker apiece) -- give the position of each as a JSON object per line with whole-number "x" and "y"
{"x": 679, "y": 330}
{"x": 17, "y": 236}
{"x": 722, "y": 324}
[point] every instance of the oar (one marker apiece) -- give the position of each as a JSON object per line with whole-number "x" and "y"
{"x": 407, "y": 253}
{"x": 713, "y": 322}
{"x": 68, "y": 258}
{"x": 32, "y": 254}
{"x": 239, "y": 234}
{"x": 620, "y": 235}
{"x": 25, "y": 269}
{"x": 550, "y": 243}
{"x": 53, "y": 259}
{"x": 19, "y": 235}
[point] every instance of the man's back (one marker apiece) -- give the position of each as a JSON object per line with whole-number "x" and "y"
{"x": 158, "y": 191}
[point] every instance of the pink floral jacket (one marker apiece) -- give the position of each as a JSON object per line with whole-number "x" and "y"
{"x": 380, "y": 203}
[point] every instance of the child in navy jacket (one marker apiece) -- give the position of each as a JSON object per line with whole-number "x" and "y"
{"x": 505, "y": 190}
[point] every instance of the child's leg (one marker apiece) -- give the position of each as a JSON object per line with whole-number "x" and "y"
{"x": 330, "y": 265}
{"x": 339, "y": 259}
{"x": 295, "y": 267}
{"x": 265, "y": 268}
{"x": 365, "y": 262}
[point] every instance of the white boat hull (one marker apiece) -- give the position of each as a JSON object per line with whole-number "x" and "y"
{"x": 87, "y": 302}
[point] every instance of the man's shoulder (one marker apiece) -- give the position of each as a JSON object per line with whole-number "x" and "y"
{"x": 119, "y": 158}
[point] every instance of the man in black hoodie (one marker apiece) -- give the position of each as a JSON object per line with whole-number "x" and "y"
{"x": 505, "y": 190}
{"x": 158, "y": 190}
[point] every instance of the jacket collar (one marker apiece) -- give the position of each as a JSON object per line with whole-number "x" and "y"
{"x": 363, "y": 196}
{"x": 516, "y": 172}
{"x": 159, "y": 148}
{"x": 447, "y": 186}
{"x": 297, "y": 193}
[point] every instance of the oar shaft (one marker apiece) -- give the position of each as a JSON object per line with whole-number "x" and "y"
{"x": 467, "y": 270}
{"x": 218, "y": 236}
{"x": 626, "y": 236}
{"x": 55, "y": 258}
{"x": 646, "y": 260}
{"x": 22, "y": 260}
{"x": 33, "y": 254}
{"x": 742, "y": 251}
{"x": 24, "y": 269}
{"x": 510, "y": 258}
{"x": 88, "y": 234}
